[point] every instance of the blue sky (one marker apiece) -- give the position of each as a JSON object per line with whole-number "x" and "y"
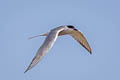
{"x": 97, "y": 19}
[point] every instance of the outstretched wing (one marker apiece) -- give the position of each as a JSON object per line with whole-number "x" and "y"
{"x": 48, "y": 43}
{"x": 77, "y": 35}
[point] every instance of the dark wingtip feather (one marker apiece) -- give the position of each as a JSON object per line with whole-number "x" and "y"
{"x": 26, "y": 70}
{"x": 90, "y": 52}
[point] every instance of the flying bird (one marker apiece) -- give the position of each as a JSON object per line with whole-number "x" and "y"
{"x": 51, "y": 37}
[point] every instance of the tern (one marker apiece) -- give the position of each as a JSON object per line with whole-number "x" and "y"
{"x": 51, "y": 37}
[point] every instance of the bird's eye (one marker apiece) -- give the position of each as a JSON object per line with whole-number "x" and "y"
{"x": 75, "y": 29}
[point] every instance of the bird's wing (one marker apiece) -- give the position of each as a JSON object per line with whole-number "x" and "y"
{"x": 77, "y": 35}
{"x": 48, "y": 43}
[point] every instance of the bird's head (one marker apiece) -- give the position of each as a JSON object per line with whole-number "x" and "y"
{"x": 71, "y": 27}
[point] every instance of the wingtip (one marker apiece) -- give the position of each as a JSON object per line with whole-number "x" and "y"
{"x": 26, "y": 70}
{"x": 91, "y": 52}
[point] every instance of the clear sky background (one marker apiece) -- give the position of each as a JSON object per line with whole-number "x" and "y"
{"x": 99, "y": 20}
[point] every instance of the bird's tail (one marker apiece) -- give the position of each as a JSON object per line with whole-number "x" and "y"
{"x": 45, "y": 34}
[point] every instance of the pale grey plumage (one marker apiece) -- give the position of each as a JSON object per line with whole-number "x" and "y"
{"x": 51, "y": 38}
{"x": 48, "y": 43}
